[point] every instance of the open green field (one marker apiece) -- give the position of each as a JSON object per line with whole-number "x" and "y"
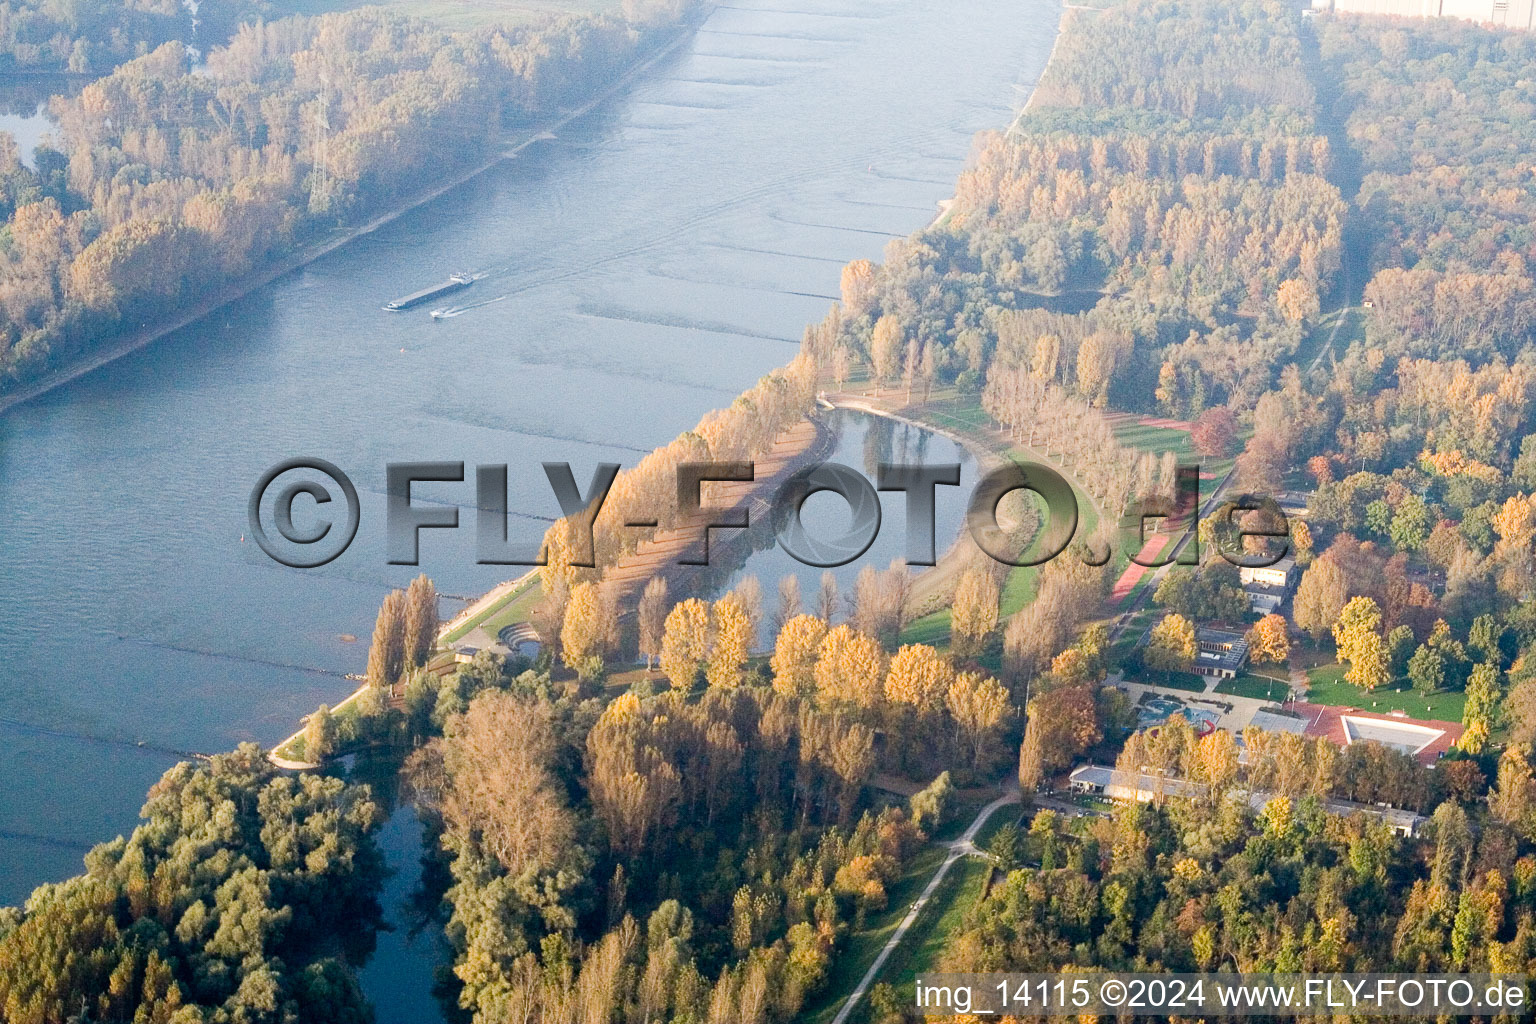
{"x": 457, "y": 14}
{"x": 1145, "y": 438}
{"x": 1326, "y": 685}
{"x": 1257, "y": 687}
{"x": 515, "y": 607}
{"x": 1168, "y": 680}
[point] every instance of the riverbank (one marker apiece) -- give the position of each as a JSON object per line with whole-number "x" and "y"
{"x": 132, "y": 341}
{"x": 936, "y": 585}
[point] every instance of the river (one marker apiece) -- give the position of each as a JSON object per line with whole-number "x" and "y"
{"x": 645, "y": 267}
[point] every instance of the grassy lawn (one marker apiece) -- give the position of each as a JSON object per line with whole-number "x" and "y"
{"x": 1257, "y": 687}
{"x": 1000, "y": 817}
{"x": 1326, "y": 685}
{"x": 457, "y": 14}
{"x": 1156, "y": 440}
{"x": 964, "y": 415}
{"x": 1168, "y": 680}
{"x": 514, "y": 608}
{"x": 1126, "y": 644}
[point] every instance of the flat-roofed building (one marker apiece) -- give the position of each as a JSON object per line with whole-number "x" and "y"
{"x": 1219, "y": 652}
{"x": 1145, "y": 787}
{"x": 1267, "y": 587}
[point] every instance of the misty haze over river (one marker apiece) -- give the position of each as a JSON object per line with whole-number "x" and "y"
{"x": 648, "y": 266}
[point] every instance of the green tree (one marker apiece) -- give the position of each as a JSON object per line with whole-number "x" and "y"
{"x": 1004, "y": 847}
{"x": 319, "y": 734}
{"x": 931, "y": 803}
{"x": 1480, "y": 715}
{"x": 1426, "y": 669}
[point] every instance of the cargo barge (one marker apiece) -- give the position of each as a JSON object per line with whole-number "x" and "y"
{"x": 458, "y": 282}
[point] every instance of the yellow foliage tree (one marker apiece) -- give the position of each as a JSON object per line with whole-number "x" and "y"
{"x": 1213, "y": 761}
{"x": 1297, "y": 300}
{"x": 885, "y": 348}
{"x": 1357, "y": 634}
{"x": 919, "y": 676}
{"x": 850, "y": 667}
{"x": 858, "y": 287}
{"x": 794, "y": 655}
{"x": 1268, "y": 640}
{"x": 1047, "y": 356}
{"x": 977, "y": 703}
{"x": 733, "y": 642}
{"x": 585, "y": 633}
{"x": 1171, "y": 648}
{"x": 974, "y": 613}
{"x": 685, "y": 642}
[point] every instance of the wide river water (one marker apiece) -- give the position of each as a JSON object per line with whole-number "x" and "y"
{"x": 645, "y": 267}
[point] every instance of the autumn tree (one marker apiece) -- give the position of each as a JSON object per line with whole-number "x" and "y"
{"x": 1214, "y": 433}
{"x": 685, "y": 642}
{"x": 850, "y": 667}
{"x": 858, "y": 288}
{"x": 1064, "y": 723}
{"x": 505, "y": 793}
{"x": 973, "y": 615}
{"x": 1357, "y": 636}
{"x": 977, "y": 704}
{"x": 732, "y": 642}
{"x": 386, "y": 654}
{"x": 795, "y": 652}
{"x": 918, "y": 675}
{"x": 651, "y": 616}
{"x": 1171, "y": 645}
{"x": 885, "y": 349}
{"x": 1213, "y": 762}
{"x": 1297, "y": 300}
{"x": 1269, "y": 640}
{"x": 589, "y": 630}
{"x": 1320, "y": 596}
{"x": 421, "y": 621}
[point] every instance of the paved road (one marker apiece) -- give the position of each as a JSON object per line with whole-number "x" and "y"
{"x": 962, "y": 847}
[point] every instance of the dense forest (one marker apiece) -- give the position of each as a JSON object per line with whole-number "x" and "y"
{"x": 698, "y": 844}
{"x": 239, "y": 899}
{"x": 94, "y": 36}
{"x": 1179, "y": 181}
{"x": 1448, "y": 213}
{"x": 1178, "y": 170}
{"x": 168, "y": 182}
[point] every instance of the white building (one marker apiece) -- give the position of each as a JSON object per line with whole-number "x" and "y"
{"x": 1267, "y": 587}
